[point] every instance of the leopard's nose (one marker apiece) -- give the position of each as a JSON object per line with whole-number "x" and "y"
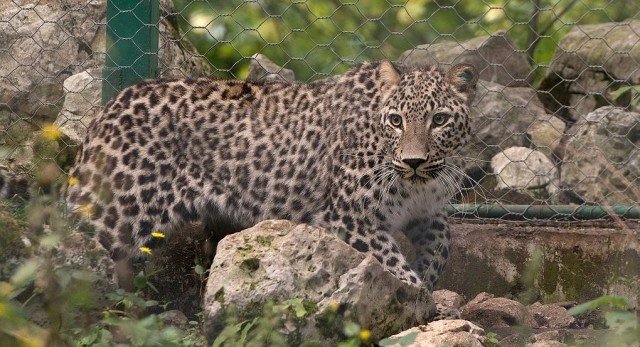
{"x": 414, "y": 163}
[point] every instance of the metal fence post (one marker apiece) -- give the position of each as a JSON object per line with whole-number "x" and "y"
{"x": 132, "y": 44}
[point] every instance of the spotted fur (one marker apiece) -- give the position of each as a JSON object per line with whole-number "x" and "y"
{"x": 164, "y": 153}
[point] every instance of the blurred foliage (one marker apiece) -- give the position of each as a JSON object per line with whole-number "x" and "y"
{"x": 619, "y": 316}
{"x": 316, "y": 38}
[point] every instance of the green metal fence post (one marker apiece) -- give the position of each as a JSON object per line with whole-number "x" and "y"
{"x": 132, "y": 44}
{"x": 581, "y": 212}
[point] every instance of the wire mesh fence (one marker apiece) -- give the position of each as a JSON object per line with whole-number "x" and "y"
{"x": 556, "y": 122}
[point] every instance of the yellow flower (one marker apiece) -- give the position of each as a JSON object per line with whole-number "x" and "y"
{"x": 365, "y": 335}
{"x": 158, "y": 234}
{"x": 51, "y": 132}
{"x": 73, "y": 181}
{"x": 145, "y": 250}
{"x": 334, "y": 306}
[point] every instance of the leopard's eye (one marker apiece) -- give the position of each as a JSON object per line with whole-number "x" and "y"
{"x": 395, "y": 120}
{"x": 440, "y": 118}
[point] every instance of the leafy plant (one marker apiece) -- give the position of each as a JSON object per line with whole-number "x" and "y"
{"x": 623, "y": 322}
{"x": 49, "y": 301}
{"x": 492, "y": 339}
{"x": 632, "y": 91}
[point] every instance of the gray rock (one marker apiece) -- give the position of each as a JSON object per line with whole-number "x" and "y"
{"x": 81, "y": 102}
{"x": 43, "y": 44}
{"x": 454, "y": 332}
{"x": 447, "y": 298}
{"x": 262, "y": 69}
{"x": 522, "y": 168}
{"x": 602, "y": 160}
{"x": 500, "y": 118}
{"x": 47, "y": 41}
{"x": 547, "y": 343}
{"x": 551, "y": 316}
{"x": 544, "y": 134}
{"x": 277, "y": 260}
{"x": 496, "y": 57}
{"x": 549, "y": 335}
{"x": 174, "y": 318}
{"x": 497, "y": 313}
{"x": 589, "y": 60}
{"x": 80, "y": 252}
{"x": 447, "y": 303}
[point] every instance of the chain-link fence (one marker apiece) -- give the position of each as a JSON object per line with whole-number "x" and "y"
{"x": 555, "y": 121}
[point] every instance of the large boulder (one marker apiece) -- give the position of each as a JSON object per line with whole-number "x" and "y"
{"x": 496, "y": 57}
{"x": 81, "y": 102}
{"x": 275, "y": 261}
{"x": 455, "y": 332}
{"x": 602, "y": 160}
{"x": 491, "y": 313}
{"x": 524, "y": 169}
{"x": 47, "y": 41}
{"x": 590, "y": 60}
{"x": 545, "y": 133}
{"x": 552, "y": 316}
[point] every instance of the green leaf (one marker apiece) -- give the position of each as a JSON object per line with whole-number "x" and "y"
{"x": 151, "y": 303}
{"x": 26, "y": 273}
{"x": 352, "y": 342}
{"x": 492, "y": 339}
{"x": 245, "y": 330}
{"x": 351, "y": 329}
{"x": 199, "y": 270}
{"x": 140, "y": 281}
{"x": 618, "y": 92}
{"x": 608, "y": 301}
{"x": 299, "y": 308}
{"x": 621, "y": 320}
{"x": 228, "y": 333}
{"x": 152, "y": 287}
{"x": 405, "y": 340}
{"x": 50, "y": 241}
{"x": 89, "y": 339}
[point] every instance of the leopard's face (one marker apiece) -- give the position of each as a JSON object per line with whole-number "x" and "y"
{"x": 425, "y": 119}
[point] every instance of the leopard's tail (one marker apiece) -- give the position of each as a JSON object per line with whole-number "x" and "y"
{"x": 12, "y": 185}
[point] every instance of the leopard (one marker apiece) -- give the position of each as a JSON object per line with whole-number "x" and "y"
{"x": 363, "y": 154}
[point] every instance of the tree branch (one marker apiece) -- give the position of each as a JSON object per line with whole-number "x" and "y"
{"x": 533, "y": 39}
{"x": 534, "y": 35}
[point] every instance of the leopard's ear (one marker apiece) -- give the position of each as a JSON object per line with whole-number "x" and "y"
{"x": 464, "y": 77}
{"x": 388, "y": 73}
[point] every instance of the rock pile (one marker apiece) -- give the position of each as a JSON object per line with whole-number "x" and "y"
{"x": 276, "y": 261}
{"x": 569, "y": 141}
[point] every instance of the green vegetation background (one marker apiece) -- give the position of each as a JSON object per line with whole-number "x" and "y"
{"x": 316, "y": 38}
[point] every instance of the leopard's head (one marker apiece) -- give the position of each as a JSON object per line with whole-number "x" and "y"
{"x": 425, "y": 116}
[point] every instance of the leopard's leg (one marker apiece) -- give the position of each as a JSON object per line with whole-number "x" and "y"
{"x": 383, "y": 247}
{"x": 125, "y": 274}
{"x": 431, "y": 240}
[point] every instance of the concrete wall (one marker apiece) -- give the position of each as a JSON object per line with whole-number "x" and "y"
{"x": 553, "y": 262}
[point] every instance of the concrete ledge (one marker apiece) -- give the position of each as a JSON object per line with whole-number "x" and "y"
{"x": 564, "y": 260}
